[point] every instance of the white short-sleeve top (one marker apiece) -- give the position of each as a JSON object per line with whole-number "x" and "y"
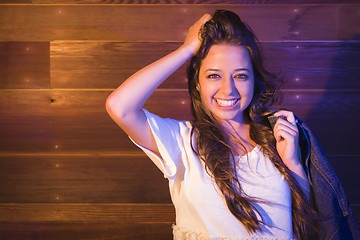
{"x": 201, "y": 210}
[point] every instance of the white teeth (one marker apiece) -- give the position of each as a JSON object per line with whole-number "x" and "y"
{"x": 226, "y": 103}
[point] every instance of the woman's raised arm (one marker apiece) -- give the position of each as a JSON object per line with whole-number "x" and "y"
{"x": 124, "y": 105}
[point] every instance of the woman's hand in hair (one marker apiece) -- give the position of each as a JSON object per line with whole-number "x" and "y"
{"x": 193, "y": 39}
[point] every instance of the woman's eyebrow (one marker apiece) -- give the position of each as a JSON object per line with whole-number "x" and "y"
{"x": 242, "y": 69}
{"x": 217, "y": 70}
{"x": 212, "y": 70}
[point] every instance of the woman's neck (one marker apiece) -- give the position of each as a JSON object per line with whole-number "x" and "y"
{"x": 239, "y": 136}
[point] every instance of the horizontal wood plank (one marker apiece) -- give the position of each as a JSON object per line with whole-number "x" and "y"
{"x": 84, "y": 64}
{"x": 109, "y": 179}
{"x": 348, "y": 22}
{"x": 315, "y": 65}
{"x": 15, "y": 1}
{"x": 91, "y": 231}
{"x": 81, "y": 179}
{"x": 58, "y": 121}
{"x": 79, "y": 64}
{"x": 127, "y": 22}
{"x": 24, "y": 65}
{"x": 330, "y": 115}
{"x": 305, "y": 65}
{"x": 120, "y": 213}
{"x": 85, "y": 231}
{"x": 55, "y": 121}
{"x": 188, "y": 1}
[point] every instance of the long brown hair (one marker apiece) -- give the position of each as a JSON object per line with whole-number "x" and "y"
{"x": 212, "y": 141}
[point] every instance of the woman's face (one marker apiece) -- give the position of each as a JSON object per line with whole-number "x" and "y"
{"x": 226, "y": 81}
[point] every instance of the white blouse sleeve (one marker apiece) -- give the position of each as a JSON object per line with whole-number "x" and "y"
{"x": 167, "y": 135}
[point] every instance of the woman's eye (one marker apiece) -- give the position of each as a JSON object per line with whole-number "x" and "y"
{"x": 241, "y": 76}
{"x": 212, "y": 76}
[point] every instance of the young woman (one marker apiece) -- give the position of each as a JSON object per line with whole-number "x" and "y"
{"x": 231, "y": 175}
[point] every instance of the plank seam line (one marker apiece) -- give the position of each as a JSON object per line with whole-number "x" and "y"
{"x": 140, "y": 154}
{"x": 164, "y": 90}
{"x": 174, "y": 4}
{"x": 180, "y": 42}
{"x": 91, "y": 204}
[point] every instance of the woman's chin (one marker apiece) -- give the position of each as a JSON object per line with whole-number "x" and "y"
{"x": 229, "y": 116}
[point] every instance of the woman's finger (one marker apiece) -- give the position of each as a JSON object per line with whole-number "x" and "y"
{"x": 281, "y": 133}
{"x": 206, "y": 17}
{"x": 284, "y": 122}
{"x": 193, "y": 39}
{"x": 199, "y": 23}
{"x": 285, "y": 129}
{"x": 290, "y": 117}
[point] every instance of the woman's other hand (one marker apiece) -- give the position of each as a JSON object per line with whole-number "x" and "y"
{"x": 287, "y": 144}
{"x": 193, "y": 40}
{"x": 287, "y": 138}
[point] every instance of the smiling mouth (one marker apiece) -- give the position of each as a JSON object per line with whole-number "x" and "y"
{"x": 226, "y": 103}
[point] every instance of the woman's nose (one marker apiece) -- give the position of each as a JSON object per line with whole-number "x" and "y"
{"x": 227, "y": 85}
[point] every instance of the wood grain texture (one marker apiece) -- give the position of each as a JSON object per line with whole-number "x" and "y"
{"x": 81, "y": 179}
{"x": 330, "y": 115}
{"x": 120, "y": 213}
{"x": 190, "y": 1}
{"x": 75, "y": 121}
{"x": 67, "y": 171}
{"x": 85, "y": 231}
{"x": 303, "y": 65}
{"x": 315, "y": 65}
{"x": 90, "y": 64}
{"x": 89, "y": 231}
{"x": 110, "y": 179}
{"x": 349, "y": 19}
{"x": 84, "y": 64}
{"x": 58, "y": 121}
{"x": 24, "y": 65}
{"x": 131, "y": 23}
{"x": 15, "y": 1}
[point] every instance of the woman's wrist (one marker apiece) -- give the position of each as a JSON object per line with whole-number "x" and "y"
{"x": 188, "y": 49}
{"x": 295, "y": 165}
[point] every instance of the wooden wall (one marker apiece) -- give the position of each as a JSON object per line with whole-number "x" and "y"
{"x": 67, "y": 171}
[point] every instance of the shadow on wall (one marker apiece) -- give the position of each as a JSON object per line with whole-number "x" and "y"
{"x": 337, "y": 109}
{"x": 337, "y": 112}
